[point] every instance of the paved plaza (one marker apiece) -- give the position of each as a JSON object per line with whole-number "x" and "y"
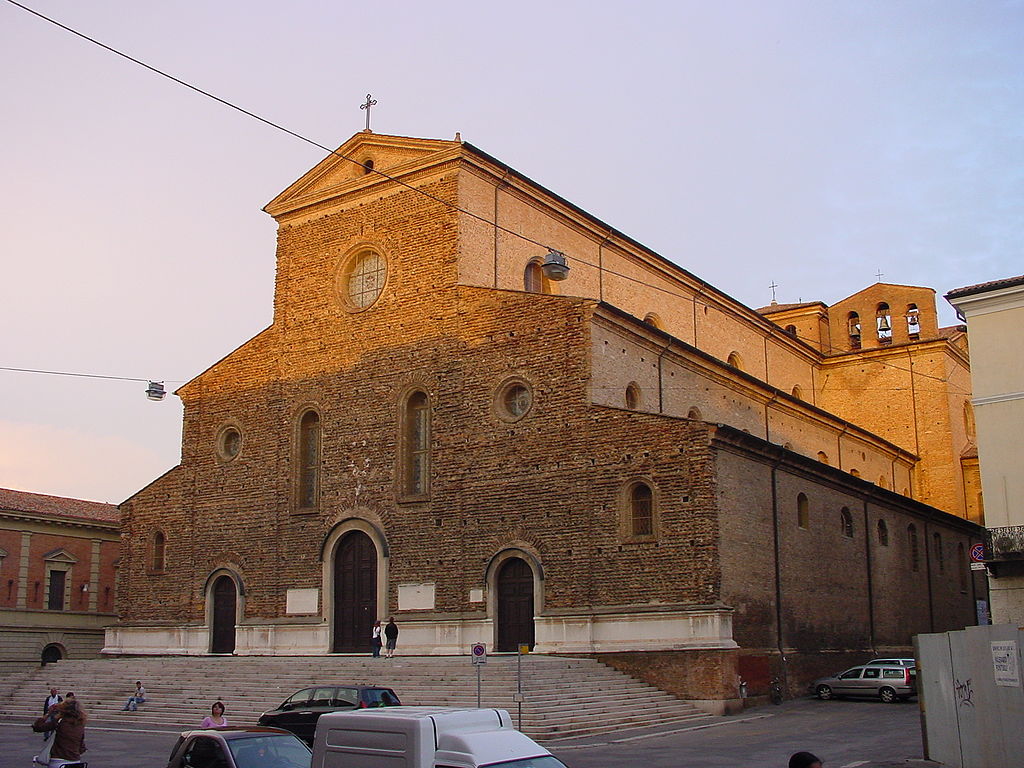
{"x": 845, "y": 734}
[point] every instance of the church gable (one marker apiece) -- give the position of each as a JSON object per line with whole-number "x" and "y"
{"x": 352, "y": 166}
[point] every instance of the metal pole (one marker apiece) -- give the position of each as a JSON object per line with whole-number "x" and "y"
{"x": 478, "y": 686}
{"x": 519, "y": 687}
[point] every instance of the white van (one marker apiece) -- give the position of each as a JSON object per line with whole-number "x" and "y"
{"x": 425, "y": 737}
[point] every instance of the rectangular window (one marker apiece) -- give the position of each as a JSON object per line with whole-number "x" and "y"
{"x": 55, "y": 599}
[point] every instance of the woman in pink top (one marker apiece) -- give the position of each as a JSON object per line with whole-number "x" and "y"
{"x": 216, "y": 717}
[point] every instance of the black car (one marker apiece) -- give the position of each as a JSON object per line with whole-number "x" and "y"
{"x": 300, "y": 711}
{"x": 239, "y": 748}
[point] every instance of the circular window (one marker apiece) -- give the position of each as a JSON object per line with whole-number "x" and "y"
{"x": 515, "y": 398}
{"x": 229, "y": 443}
{"x": 363, "y": 279}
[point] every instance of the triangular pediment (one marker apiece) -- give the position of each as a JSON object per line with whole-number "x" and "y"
{"x": 60, "y": 556}
{"x": 346, "y": 169}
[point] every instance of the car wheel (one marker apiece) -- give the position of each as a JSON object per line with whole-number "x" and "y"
{"x": 888, "y": 695}
{"x": 824, "y": 692}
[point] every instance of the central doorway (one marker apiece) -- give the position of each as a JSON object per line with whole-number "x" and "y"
{"x": 515, "y": 605}
{"x": 225, "y": 601}
{"x": 355, "y": 593}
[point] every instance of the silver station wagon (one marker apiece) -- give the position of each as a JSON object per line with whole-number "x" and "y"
{"x": 890, "y": 683}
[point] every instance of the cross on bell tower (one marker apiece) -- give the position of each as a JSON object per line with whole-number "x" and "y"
{"x": 370, "y": 101}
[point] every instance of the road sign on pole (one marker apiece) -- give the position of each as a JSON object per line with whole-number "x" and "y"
{"x": 479, "y": 653}
{"x": 978, "y": 553}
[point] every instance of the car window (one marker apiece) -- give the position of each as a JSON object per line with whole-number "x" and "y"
{"x": 297, "y": 699}
{"x": 346, "y": 697}
{"x": 893, "y": 673}
{"x": 872, "y": 672}
{"x": 273, "y": 750}
{"x": 379, "y": 697}
{"x": 850, "y": 674}
{"x": 204, "y": 752}
{"x": 322, "y": 697}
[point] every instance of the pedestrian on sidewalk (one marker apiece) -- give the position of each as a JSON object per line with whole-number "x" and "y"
{"x": 139, "y": 697}
{"x": 804, "y": 760}
{"x": 391, "y": 636}
{"x": 216, "y": 717}
{"x": 67, "y": 722}
{"x": 375, "y": 639}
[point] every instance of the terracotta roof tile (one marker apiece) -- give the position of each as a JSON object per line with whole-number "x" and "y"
{"x": 970, "y": 290}
{"x": 951, "y": 330}
{"x": 59, "y": 506}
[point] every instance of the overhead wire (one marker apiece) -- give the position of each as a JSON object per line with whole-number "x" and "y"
{"x": 389, "y": 177}
{"x": 90, "y": 375}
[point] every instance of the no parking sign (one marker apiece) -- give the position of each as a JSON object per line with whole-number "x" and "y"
{"x": 479, "y": 653}
{"x": 978, "y": 557}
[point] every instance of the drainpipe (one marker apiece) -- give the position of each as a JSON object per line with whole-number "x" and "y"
{"x": 779, "y": 638}
{"x": 871, "y": 591}
{"x": 600, "y": 265}
{"x": 767, "y": 405}
{"x": 928, "y": 573}
{"x": 497, "y": 189}
{"x": 661, "y": 384}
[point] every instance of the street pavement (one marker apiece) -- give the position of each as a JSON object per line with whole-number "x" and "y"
{"x": 845, "y": 734}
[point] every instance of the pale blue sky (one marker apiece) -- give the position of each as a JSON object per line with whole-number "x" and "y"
{"x": 809, "y": 143}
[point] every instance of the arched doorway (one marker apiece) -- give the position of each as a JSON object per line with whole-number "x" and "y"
{"x": 355, "y": 593}
{"x": 515, "y": 604}
{"x": 225, "y": 602}
{"x": 52, "y": 653}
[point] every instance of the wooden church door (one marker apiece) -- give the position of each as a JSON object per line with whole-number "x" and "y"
{"x": 355, "y": 593}
{"x": 225, "y": 600}
{"x": 515, "y": 605}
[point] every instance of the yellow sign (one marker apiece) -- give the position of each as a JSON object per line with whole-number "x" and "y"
{"x": 524, "y": 648}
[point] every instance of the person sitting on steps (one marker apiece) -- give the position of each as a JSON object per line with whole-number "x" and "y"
{"x": 137, "y": 698}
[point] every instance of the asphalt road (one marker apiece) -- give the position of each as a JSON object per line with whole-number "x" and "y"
{"x": 846, "y": 734}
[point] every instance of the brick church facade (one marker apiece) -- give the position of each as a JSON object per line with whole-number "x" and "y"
{"x": 625, "y": 462}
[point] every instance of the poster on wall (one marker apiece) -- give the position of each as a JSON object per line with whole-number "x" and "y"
{"x": 981, "y": 607}
{"x": 1004, "y": 663}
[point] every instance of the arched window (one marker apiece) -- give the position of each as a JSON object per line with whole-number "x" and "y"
{"x": 883, "y": 533}
{"x": 961, "y": 566}
{"x": 846, "y": 521}
{"x": 641, "y": 510}
{"x": 940, "y": 559}
{"x": 823, "y": 457}
{"x": 533, "y": 278}
{"x": 159, "y": 551}
{"x": 694, "y": 413}
{"x": 883, "y": 323}
{"x": 853, "y": 329}
{"x": 654, "y": 321}
{"x": 791, "y": 330}
{"x": 798, "y": 393}
{"x": 416, "y": 443}
{"x": 367, "y": 166}
{"x": 309, "y": 460}
{"x": 915, "y": 554}
{"x": 855, "y": 472}
{"x": 803, "y": 515}
{"x": 633, "y": 396}
{"x": 735, "y": 360}
{"x": 913, "y": 321}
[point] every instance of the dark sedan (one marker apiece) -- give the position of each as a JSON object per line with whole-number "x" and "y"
{"x": 300, "y": 711}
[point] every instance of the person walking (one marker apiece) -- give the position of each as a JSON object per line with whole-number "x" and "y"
{"x": 375, "y": 639}
{"x": 391, "y": 636}
{"x": 67, "y": 722}
{"x": 216, "y": 717}
{"x": 135, "y": 699}
{"x": 51, "y": 701}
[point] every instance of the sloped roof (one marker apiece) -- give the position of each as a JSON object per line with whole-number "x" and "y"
{"x": 950, "y": 331}
{"x": 58, "y": 506}
{"x": 991, "y": 285}
{"x": 785, "y": 307}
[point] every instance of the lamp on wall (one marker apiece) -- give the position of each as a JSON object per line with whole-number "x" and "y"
{"x": 555, "y": 266}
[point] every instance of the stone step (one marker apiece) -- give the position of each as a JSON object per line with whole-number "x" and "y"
{"x": 564, "y": 697}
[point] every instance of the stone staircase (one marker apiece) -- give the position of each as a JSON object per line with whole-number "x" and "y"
{"x": 563, "y": 697}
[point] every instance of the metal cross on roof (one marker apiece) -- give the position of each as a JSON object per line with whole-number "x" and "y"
{"x": 879, "y": 274}
{"x": 773, "y": 286}
{"x": 370, "y": 101}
